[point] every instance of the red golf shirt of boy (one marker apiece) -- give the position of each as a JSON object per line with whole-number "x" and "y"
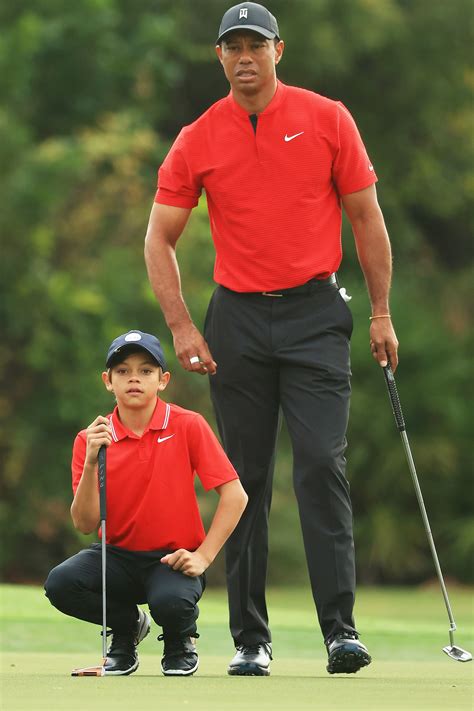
{"x": 273, "y": 195}
{"x": 151, "y": 501}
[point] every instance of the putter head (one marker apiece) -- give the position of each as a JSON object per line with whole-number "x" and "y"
{"x": 458, "y": 654}
{"x": 89, "y": 671}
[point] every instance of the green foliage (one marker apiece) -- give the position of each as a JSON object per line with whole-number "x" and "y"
{"x": 93, "y": 93}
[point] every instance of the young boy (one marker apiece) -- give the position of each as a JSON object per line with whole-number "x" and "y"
{"x": 157, "y": 549}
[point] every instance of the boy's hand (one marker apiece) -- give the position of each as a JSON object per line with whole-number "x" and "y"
{"x": 192, "y": 564}
{"x": 99, "y": 432}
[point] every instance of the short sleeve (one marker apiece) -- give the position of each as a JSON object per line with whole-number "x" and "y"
{"x": 78, "y": 459}
{"x": 177, "y": 184}
{"x": 352, "y": 168}
{"x": 208, "y": 459}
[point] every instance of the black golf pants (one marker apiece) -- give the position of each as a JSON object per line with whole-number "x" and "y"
{"x": 132, "y": 577}
{"x": 289, "y": 352}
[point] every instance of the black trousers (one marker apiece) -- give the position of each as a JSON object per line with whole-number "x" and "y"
{"x": 132, "y": 577}
{"x": 289, "y": 352}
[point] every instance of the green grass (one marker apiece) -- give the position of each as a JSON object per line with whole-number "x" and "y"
{"x": 404, "y": 629}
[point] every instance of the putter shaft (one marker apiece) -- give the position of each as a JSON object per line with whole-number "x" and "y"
{"x": 452, "y": 651}
{"x": 102, "y": 461}
{"x": 424, "y": 515}
{"x": 104, "y": 595}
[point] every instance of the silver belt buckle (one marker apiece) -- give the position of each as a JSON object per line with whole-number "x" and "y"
{"x": 267, "y": 293}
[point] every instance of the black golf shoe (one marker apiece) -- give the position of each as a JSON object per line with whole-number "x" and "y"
{"x": 346, "y": 654}
{"x": 251, "y": 660}
{"x": 180, "y": 657}
{"x": 122, "y": 656}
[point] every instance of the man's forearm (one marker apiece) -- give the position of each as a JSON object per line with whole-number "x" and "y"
{"x": 164, "y": 229}
{"x": 375, "y": 258}
{"x": 163, "y": 273}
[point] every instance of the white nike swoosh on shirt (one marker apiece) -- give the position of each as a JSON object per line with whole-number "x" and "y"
{"x": 163, "y": 439}
{"x": 290, "y": 138}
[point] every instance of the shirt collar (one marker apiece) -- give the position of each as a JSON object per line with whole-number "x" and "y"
{"x": 272, "y": 106}
{"x": 159, "y": 421}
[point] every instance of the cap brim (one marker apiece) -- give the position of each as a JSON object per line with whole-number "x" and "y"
{"x": 254, "y": 28}
{"x": 122, "y": 351}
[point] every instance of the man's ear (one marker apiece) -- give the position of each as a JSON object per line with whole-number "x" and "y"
{"x": 107, "y": 382}
{"x": 279, "y": 48}
{"x": 219, "y": 52}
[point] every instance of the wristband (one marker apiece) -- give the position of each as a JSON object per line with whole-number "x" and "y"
{"x": 371, "y": 318}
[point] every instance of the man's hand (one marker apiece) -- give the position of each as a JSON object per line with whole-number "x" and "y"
{"x": 189, "y": 345}
{"x": 192, "y": 564}
{"x": 383, "y": 342}
{"x": 99, "y": 432}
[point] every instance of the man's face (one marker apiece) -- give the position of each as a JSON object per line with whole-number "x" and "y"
{"x": 249, "y": 60}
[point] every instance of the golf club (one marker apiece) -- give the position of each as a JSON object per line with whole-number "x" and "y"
{"x": 100, "y": 670}
{"x": 460, "y": 655}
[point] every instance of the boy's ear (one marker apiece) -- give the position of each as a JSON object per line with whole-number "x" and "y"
{"x": 106, "y": 381}
{"x": 164, "y": 380}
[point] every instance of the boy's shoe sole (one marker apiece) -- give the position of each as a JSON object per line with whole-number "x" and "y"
{"x": 248, "y": 670}
{"x": 180, "y": 672}
{"x": 125, "y": 672}
{"x": 144, "y": 624}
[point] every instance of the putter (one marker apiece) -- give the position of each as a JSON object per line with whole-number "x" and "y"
{"x": 100, "y": 670}
{"x": 456, "y": 653}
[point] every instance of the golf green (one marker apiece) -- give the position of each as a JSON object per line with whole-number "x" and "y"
{"x": 405, "y": 631}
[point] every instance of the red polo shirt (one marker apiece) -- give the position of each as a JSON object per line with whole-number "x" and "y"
{"x": 151, "y": 502}
{"x": 273, "y": 196}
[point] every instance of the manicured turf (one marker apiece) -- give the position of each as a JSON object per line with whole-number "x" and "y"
{"x": 404, "y": 629}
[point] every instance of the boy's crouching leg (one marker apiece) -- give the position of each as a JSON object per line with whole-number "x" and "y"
{"x": 174, "y": 607}
{"x": 74, "y": 586}
{"x": 62, "y": 588}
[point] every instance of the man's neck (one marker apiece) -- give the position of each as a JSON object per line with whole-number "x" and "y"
{"x": 134, "y": 420}
{"x": 255, "y": 104}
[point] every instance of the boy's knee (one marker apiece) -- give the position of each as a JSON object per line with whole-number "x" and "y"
{"x": 169, "y": 607}
{"x": 58, "y": 585}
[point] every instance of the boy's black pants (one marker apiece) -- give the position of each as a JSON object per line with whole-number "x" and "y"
{"x": 133, "y": 577}
{"x": 289, "y": 352}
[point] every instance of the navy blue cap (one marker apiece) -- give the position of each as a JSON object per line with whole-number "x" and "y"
{"x": 249, "y": 16}
{"x": 133, "y": 341}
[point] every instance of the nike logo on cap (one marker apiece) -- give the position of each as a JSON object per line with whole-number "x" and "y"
{"x": 163, "y": 439}
{"x": 290, "y": 138}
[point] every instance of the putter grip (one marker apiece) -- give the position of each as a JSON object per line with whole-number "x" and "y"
{"x": 394, "y": 399}
{"x": 102, "y": 482}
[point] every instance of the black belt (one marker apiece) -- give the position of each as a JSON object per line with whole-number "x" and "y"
{"x": 308, "y": 288}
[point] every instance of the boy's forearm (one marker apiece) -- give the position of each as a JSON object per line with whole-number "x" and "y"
{"x": 232, "y": 503}
{"x": 85, "y": 511}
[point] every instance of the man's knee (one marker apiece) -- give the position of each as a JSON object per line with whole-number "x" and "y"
{"x": 323, "y": 470}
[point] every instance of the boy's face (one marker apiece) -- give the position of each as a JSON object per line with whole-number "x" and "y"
{"x": 136, "y": 380}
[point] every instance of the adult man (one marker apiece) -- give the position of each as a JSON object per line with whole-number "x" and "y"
{"x": 276, "y": 162}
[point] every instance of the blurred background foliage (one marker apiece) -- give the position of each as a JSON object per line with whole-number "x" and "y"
{"x": 93, "y": 93}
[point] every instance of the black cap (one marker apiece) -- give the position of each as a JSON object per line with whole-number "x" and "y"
{"x": 249, "y": 16}
{"x": 133, "y": 341}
